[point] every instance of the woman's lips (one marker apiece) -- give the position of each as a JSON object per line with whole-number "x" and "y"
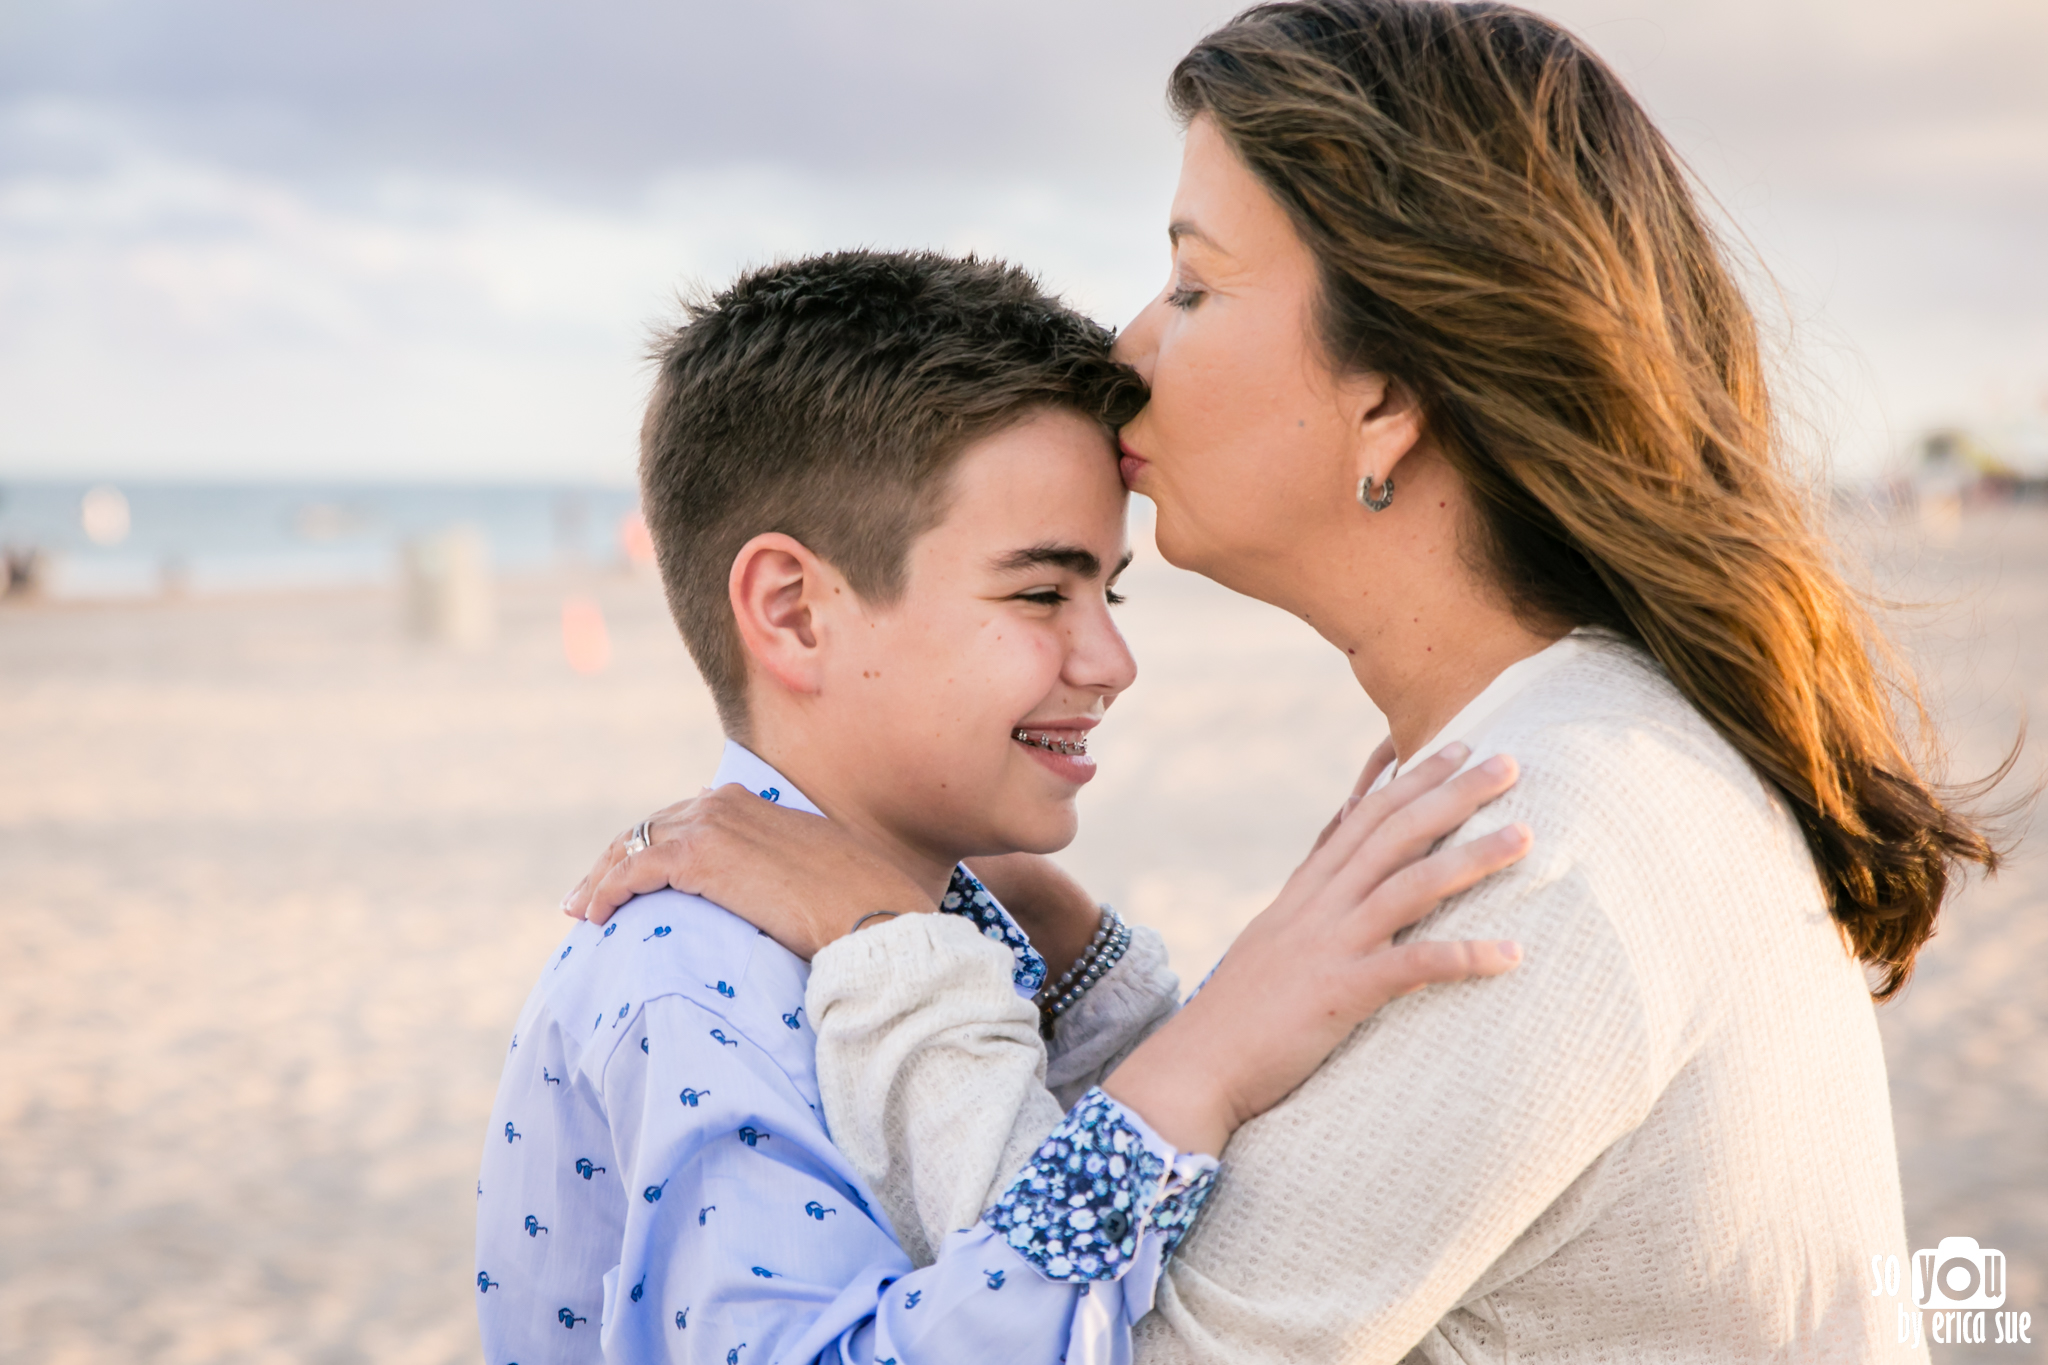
{"x": 1130, "y": 464}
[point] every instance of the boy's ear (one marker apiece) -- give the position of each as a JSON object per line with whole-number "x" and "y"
{"x": 777, "y": 588}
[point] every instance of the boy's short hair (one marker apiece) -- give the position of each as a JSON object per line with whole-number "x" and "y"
{"x": 827, "y": 399}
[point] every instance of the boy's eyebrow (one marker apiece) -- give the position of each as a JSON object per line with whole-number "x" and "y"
{"x": 1072, "y": 558}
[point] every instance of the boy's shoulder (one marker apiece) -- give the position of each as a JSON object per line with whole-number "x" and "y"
{"x": 668, "y": 944}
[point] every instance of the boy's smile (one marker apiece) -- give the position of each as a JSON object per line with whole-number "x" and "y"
{"x": 954, "y": 720}
{"x": 1062, "y": 748}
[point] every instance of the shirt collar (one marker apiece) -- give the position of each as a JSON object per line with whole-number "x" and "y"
{"x": 965, "y": 895}
{"x": 743, "y": 766}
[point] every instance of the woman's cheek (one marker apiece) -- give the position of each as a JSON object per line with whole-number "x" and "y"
{"x": 1170, "y": 534}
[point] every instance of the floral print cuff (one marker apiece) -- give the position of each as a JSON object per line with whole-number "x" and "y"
{"x": 1093, "y": 1190}
{"x": 968, "y": 898}
{"x": 1187, "y": 1190}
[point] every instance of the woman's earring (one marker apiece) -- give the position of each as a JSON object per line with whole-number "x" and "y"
{"x": 1376, "y": 502}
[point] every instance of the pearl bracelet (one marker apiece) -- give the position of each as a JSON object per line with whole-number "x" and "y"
{"x": 1103, "y": 951}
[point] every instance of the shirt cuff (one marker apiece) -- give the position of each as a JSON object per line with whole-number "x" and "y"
{"x": 1102, "y": 1194}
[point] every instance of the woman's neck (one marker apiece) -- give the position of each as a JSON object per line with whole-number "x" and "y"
{"x": 1423, "y": 626}
{"x": 1422, "y": 677}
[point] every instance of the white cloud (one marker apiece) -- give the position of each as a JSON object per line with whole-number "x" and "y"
{"x": 331, "y": 240}
{"x": 164, "y": 314}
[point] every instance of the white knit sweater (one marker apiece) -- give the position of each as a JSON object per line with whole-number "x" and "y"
{"x": 1666, "y": 1136}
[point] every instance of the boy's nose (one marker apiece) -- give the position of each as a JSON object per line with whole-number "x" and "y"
{"x": 1100, "y": 661}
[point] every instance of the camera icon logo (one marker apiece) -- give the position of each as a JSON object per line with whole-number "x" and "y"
{"x": 1959, "y": 1274}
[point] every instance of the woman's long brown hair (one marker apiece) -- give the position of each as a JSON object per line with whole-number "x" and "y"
{"x": 1501, "y": 229}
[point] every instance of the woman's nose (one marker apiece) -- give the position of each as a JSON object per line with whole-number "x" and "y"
{"x": 1139, "y": 342}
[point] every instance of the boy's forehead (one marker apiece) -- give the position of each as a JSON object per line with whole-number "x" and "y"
{"x": 1049, "y": 479}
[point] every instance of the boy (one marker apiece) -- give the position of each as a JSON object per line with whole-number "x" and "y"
{"x": 885, "y": 502}
{"x": 884, "y": 497}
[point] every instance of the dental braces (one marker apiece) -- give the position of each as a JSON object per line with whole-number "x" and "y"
{"x": 1070, "y": 747}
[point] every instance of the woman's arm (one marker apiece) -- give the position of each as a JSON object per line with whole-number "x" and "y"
{"x": 793, "y": 876}
{"x": 925, "y": 1047}
{"x": 1135, "y": 996}
{"x": 1196, "y": 1079}
{"x": 933, "y": 1076}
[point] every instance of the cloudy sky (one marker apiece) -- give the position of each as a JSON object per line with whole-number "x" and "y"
{"x": 427, "y": 240}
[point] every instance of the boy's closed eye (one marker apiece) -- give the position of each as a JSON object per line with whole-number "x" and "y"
{"x": 1077, "y": 562}
{"x": 1052, "y": 597}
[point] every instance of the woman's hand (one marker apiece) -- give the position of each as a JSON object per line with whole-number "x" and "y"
{"x": 794, "y": 876}
{"x": 802, "y": 882}
{"x": 1320, "y": 960}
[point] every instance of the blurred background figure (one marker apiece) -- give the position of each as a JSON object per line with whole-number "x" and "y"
{"x": 23, "y": 572}
{"x": 290, "y": 293}
{"x": 448, "y": 587}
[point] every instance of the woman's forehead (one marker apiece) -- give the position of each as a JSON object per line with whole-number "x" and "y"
{"x": 1223, "y": 216}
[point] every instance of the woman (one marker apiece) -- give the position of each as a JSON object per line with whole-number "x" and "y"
{"x": 1452, "y": 366}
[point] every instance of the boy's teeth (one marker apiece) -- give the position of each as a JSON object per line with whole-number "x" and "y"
{"x": 1070, "y": 747}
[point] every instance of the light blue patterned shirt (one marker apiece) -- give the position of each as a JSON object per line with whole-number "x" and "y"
{"x": 658, "y": 1184}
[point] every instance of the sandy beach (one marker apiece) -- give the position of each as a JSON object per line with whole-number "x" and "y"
{"x": 274, "y": 879}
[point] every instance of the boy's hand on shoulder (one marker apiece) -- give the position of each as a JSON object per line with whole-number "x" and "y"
{"x": 790, "y": 874}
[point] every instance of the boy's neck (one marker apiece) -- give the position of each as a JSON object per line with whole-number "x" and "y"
{"x": 811, "y": 769}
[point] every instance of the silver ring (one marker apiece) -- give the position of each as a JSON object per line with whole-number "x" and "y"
{"x": 639, "y": 842}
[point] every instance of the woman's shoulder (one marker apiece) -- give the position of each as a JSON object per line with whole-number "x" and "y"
{"x": 1655, "y": 837}
{"x": 1609, "y": 713}
{"x": 1612, "y": 750}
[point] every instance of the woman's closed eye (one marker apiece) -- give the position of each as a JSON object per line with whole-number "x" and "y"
{"x": 1183, "y": 297}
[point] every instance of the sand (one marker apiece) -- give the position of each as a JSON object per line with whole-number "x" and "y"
{"x": 274, "y": 880}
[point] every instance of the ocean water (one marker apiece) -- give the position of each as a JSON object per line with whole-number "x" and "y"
{"x": 239, "y": 537}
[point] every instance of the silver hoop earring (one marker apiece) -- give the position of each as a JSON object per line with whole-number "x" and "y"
{"x": 1376, "y": 502}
